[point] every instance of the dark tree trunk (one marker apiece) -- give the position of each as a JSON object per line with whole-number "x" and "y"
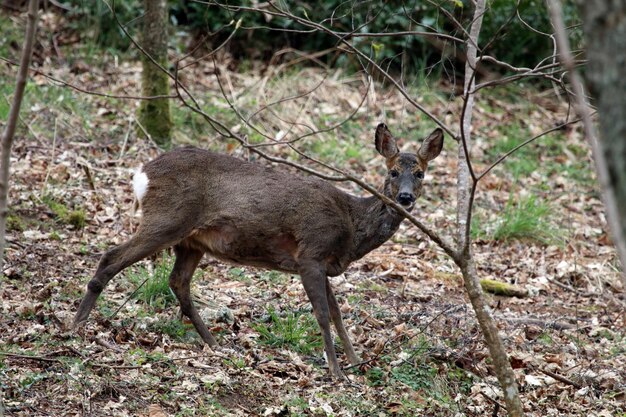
{"x": 155, "y": 115}
{"x": 605, "y": 31}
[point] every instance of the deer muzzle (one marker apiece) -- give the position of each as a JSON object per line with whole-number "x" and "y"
{"x": 406, "y": 199}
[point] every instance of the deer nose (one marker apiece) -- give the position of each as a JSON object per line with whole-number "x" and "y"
{"x": 406, "y": 199}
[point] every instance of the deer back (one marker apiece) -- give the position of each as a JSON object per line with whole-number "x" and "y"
{"x": 244, "y": 212}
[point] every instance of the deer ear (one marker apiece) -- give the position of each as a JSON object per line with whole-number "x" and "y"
{"x": 385, "y": 142}
{"x": 432, "y": 145}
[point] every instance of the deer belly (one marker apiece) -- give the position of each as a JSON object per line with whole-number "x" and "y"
{"x": 228, "y": 244}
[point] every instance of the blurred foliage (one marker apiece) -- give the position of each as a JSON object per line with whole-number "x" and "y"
{"x": 95, "y": 21}
{"x": 262, "y": 34}
{"x": 515, "y": 42}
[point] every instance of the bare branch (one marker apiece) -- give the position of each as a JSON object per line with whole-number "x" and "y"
{"x": 466, "y": 119}
{"x": 85, "y": 91}
{"x": 454, "y": 21}
{"x": 533, "y": 73}
{"x": 277, "y": 11}
{"x": 348, "y": 35}
{"x": 213, "y": 52}
{"x": 465, "y": 200}
{"x": 500, "y": 29}
{"x": 521, "y": 145}
{"x": 9, "y": 131}
{"x": 283, "y": 100}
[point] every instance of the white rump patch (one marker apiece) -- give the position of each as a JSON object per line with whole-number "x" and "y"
{"x": 140, "y": 183}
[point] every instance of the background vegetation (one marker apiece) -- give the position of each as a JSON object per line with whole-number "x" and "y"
{"x": 264, "y": 34}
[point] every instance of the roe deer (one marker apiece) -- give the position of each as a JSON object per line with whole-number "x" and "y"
{"x": 240, "y": 212}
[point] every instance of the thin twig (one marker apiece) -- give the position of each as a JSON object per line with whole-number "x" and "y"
{"x": 214, "y": 51}
{"x": 85, "y": 91}
{"x": 32, "y": 357}
{"x": 560, "y": 378}
{"x": 393, "y": 338}
{"x": 123, "y": 147}
{"x": 496, "y": 403}
{"x": 112, "y": 316}
{"x": 90, "y": 181}
{"x": 51, "y": 163}
{"x": 104, "y": 365}
{"x": 521, "y": 145}
{"x": 277, "y": 11}
{"x": 143, "y": 129}
{"x": 105, "y": 344}
{"x": 27, "y": 125}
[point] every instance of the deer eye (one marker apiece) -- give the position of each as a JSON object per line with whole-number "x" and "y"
{"x": 419, "y": 174}
{"x": 393, "y": 173}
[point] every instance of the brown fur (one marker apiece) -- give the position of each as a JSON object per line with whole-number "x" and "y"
{"x": 241, "y": 212}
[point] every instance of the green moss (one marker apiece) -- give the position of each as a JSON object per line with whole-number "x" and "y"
{"x": 155, "y": 116}
{"x": 15, "y": 222}
{"x": 76, "y": 218}
{"x": 502, "y": 288}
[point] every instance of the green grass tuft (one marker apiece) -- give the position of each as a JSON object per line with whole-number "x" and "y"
{"x": 416, "y": 376}
{"x": 526, "y": 218}
{"x": 175, "y": 329}
{"x": 297, "y": 331}
{"x": 156, "y": 292}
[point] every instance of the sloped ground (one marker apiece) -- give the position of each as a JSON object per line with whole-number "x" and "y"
{"x": 404, "y": 304}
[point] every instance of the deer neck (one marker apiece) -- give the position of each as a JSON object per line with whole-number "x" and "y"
{"x": 374, "y": 224}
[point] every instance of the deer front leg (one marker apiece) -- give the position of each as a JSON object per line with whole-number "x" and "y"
{"x": 335, "y": 315}
{"x": 314, "y": 280}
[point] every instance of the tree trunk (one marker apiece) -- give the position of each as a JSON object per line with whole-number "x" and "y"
{"x": 9, "y": 131}
{"x": 154, "y": 115}
{"x": 501, "y": 365}
{"x": 464, "y": 257}
{"x": 605, "y": 32}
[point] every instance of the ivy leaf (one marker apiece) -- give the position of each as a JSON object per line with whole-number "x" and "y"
{"x": 377, "y": 47}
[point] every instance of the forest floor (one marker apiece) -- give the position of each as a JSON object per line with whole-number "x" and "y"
{"x": 539, "y": 224}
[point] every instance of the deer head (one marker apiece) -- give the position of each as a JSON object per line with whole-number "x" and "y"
{"x": 406, "y": 170}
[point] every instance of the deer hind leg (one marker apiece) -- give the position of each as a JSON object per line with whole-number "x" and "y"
{"x": 335, "y": 315}
{"x": 314, "y": 281}
{"x": 180, "y": 281}
{"x": 145, "y": 242}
